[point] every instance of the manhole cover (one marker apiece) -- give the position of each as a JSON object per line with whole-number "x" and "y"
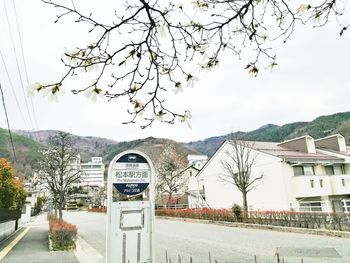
{"x": 318, "y": 252}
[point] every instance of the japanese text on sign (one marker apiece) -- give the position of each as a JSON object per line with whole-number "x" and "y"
{"x": 132, "y": 174}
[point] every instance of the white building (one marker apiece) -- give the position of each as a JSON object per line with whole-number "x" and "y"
{"x": 301, "y": 174}
{"x": 92, "y": 173}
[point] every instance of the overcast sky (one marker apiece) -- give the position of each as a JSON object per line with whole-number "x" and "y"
{"x": 311, "y": 79}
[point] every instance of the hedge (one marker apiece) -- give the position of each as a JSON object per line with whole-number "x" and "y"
{"x": 62, "y": 234}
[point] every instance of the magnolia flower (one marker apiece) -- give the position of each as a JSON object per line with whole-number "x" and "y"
{"x": 264, "y": 37}
{"x": 200, "y": 4}
{"x": 179, "y": 6}
{"x": 186, "y": 117}
{"x": 93, "y": 93}
{"x": 203, "y": 49}
{"x": 154, "y": 55}
{"x": 303, "y": 8}
{"x": 160, "y": 116}
{"x": 190, "y": 80}
{"x": 138, "y": 105}
{"x": 162, "y": 30}
{"x": 73, "y": 58}
{"x": 51, "y": 92}
{"x": 133, "y": 87}
{"x": 87, "y": 65}
{"x": 178, "y": 88}
{"x": 317, "y": 18}
{"x": 209, "y": 65}
{"x": 31, "y": 89}
{"x": 271, "y": 66}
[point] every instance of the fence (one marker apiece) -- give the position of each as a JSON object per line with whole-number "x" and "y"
{"x": 331, "y": 221}
{"x": 9, "y": 214}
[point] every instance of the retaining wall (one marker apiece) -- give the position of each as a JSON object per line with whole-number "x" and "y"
{"x": 7, "y": 228}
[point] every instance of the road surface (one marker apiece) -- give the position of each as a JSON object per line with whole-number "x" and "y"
{"x": 225, "y": 244}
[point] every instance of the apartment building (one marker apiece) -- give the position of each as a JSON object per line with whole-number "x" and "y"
{"x": 302, "y": 174}
{"x": 92, "y": 172}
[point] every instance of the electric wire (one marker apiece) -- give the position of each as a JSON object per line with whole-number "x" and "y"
{"x": 13, "y": 89}
{"x": 18, "y": 68}
{"x": 24, "y": 63}
{"x": 8, "y": 124}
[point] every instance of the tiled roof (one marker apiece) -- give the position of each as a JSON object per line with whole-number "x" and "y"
{"x": 274, "y": 149}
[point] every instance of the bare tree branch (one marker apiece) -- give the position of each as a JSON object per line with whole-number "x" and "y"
{"x": 152, "y": 46}
{"x": 240, "y": 158}
{"x": 58, "y": 171}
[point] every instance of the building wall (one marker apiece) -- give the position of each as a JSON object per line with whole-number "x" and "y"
{"x": 268, "y": 193}
{"x": 92, "y": 173}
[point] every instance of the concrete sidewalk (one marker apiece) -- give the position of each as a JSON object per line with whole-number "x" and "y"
{"x": 34, "y": 247}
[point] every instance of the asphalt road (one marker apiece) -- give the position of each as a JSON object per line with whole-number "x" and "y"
{"x": 225, "y": 244}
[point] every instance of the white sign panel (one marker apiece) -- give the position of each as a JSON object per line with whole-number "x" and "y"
{"x": 130, "y": 223}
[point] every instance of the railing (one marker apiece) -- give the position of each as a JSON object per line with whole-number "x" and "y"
{"x": 330, "y": 221}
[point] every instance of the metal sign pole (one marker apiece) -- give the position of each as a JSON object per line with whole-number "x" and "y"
{"x": 130, "y": 208}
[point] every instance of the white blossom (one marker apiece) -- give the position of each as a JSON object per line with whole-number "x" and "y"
{"x": 178, "y": 88}
{"x": 52, "y": 92}
{"x": 190, "y": 80}
{"x": 179, "y": 6}
{"x": 200, "y": 4}
{"x": 32, "y": 88}
{"x": 162, "y": 29}
{"x": 303, "y": 8}
{"x": 271, "y": 66}
{"x": 186, "y": 117}
{"x": 93, "y": 93}
{"x": 160, "y": 116}
{"x": 138, "y": 105}
{"x": 133, "y": 87}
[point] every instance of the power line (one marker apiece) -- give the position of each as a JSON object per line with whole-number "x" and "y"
{"x": 24, "y": 62}
{"x": 18, "y": 69}
{"x": 13, "y": 89}
{"x": 8, "y": 124}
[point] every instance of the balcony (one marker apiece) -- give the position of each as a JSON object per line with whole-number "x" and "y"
{"x": 320, "y": 185}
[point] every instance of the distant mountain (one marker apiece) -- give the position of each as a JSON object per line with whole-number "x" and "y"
{"x": 26, "y": 150}
{"x": 87, "y": 146}
{"x": 151, "y": 146}
{"x": 27, "y": 144}
{"x": 319, "y": 127}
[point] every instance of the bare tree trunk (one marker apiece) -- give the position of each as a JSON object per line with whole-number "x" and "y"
{"x": 60, "y": 207}
{"x": 169, "y": 199}
{"x": 245, "y": 205}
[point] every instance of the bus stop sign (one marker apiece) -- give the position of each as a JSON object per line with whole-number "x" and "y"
{"x": 131, "y": 174}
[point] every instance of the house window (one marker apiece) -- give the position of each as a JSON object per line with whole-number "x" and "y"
{"x": 309, "y": 170}
{"x": 329, "y": 169}
{"x": 298, "y": 170}
{"x": 343, "y": 182}
{"x": 310, "y": 207}
{"x": 342, "y": 167}
{"x": 339, "y": 169}
{"x": 312, "y": 183}
{"x": 321, "y": 183}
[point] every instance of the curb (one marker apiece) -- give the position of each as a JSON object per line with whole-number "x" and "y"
{"x": 16, "y": 238}
{"x": 320, "y": 232}
{"x": 86, "y": 253}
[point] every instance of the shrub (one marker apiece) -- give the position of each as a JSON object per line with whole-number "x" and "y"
{"x": 237, "y": 211}
{"x": 98, "y": 209}
{"x": 62, "y": 234}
